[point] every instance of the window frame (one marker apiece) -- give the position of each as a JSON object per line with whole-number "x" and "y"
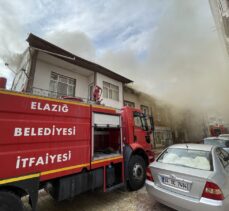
{"x": 158, "y": 116}
{"x": 90, "y": 90}
{"x": 68, "y": 83}
{"x": 142, "y": 118}
{"x": 218, "y": 155}
{"x": 143, "y": 107}
{"x": 111, "y": 89}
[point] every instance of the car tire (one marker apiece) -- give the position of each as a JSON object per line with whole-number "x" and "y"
{"x": 10, "y": 202}
{"x": 136, "y": 172}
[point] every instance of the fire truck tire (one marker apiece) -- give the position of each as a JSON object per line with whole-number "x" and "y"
{"x": 10, "y": 202}
{"x": 137, "y": 172}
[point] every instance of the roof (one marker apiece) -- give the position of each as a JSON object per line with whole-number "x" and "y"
{"x": 202, "y": 147}
{"x": 44, "y": 45}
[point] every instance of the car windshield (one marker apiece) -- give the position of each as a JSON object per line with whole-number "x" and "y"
{"x": 217, "y": 142}
{"x": 197, "y": 159}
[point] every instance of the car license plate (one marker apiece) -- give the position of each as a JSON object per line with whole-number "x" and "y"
{"x": 175, "y": 183}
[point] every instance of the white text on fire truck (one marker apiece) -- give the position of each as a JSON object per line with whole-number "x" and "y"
{"x": 42, "y": 160}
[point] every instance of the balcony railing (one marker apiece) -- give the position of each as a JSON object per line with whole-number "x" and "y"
{"x": 52, "y": 94}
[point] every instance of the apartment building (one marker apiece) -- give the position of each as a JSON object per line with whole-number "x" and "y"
{"x": 51, "y": 71}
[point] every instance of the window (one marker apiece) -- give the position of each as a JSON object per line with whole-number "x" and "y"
{"x": 144, "y": 123}
{"x": 140, "y": 121}
{"x": 110, "y": 91}
{"x": 223, "y": 156}
{"x": 61, "y": 85}
{"x": 145, "y": 110}
{"x": 158, "y": 116}
{"x": 137, "y": 121}
{"x": 90, "y": 89}
{"x": 197, "y": 159}
{"x": 130, "y": 104}
{"x": 224, "y": 143}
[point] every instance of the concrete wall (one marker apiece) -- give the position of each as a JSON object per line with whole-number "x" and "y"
{"x": 109, "y": 102}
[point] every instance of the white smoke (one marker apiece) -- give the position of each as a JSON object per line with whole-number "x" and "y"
{"x": 75, "y": 42}
{"x": 185, "y": 64}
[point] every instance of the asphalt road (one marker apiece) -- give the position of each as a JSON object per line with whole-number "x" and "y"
{"x": 118, "y": 200}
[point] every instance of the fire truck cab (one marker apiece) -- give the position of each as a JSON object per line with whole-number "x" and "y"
{"x": 68, "y": 147}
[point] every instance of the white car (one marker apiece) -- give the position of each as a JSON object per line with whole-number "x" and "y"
{"x": 191, "y": 177}
{"x": 218, "y": 141}
{"x": 224, "y": 135}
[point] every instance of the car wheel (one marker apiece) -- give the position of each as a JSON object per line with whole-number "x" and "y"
{"x": 137, "y": 172}
{"x": 10, "y": 202}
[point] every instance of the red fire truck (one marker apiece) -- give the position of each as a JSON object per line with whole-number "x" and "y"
{"x": 68, "y": 147}
{"x": 216, "y": 130}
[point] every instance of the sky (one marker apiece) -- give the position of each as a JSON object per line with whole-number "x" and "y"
{"x": 169, "y": 48}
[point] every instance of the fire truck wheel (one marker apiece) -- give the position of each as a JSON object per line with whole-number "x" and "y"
{"x": 137, "y": 172}
{"x": 10, "y": 202}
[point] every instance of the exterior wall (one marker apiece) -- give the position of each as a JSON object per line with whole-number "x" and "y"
{"x": 91, "y": 79}
{"x": 159, "y": 111}
{"x": 163, "y": 136}
{"x": 131, "y": 97}
{"x": 109, "y": 102}
{"x": 220, "y": 12}
{"x": 138, "y": 99}
{"x": 43, "y": 74}
{"x": 84, "y": 84}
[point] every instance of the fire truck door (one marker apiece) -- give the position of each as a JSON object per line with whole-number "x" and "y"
{"x": 140, "y": 129}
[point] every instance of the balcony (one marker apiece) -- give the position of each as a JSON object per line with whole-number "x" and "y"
{"x": 57, "y": 95}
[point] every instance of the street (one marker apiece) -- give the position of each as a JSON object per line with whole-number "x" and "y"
{"x": 99, "y": 201}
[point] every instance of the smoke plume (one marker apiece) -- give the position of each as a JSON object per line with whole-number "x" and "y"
{"x": 185, "y": 64}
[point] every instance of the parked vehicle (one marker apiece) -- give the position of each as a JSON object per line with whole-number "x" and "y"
{"x": 216, "y": 130}
{"x": 191, "y": 177}
{"x": 68, "y": 147}
{"x": 224, "y": 135}
{"x": 218, "y": 141}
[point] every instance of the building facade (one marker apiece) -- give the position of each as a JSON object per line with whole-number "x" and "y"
{"x": 48, "y": 70}
{"x": 220, "y": 12}
{"x": 151, "y": 107}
